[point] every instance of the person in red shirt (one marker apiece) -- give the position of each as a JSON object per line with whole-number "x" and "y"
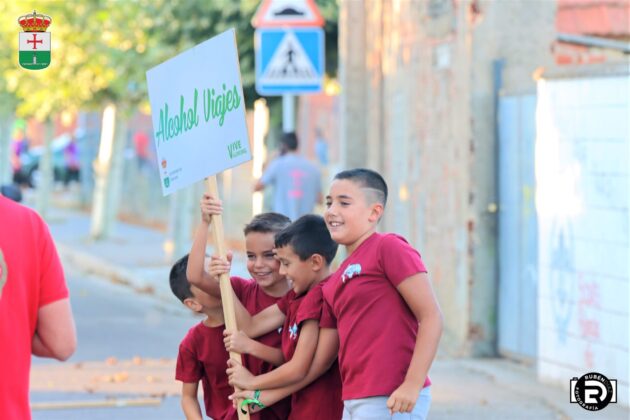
{"x": 387, "y": 315}
{"x": 35, "y": 313}
{"x": 265, "y": 289}
{"x": 202, "y": 356}
{"x": 305, "y": 251}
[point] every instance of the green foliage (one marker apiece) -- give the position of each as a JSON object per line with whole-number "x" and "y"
{"x": 101, "y": 49}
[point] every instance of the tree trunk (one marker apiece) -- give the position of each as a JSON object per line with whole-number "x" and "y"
{"x": 108, "y": 171}
{"x": 44, "y": 183}
{"x": 6, "y": 122}
{"x": 180, "y": 222}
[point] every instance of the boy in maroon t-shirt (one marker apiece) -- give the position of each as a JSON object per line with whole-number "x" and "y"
{"x": 202, "y": 355}
{"x": 267, "y": 287}
{"x": 386, "y": 313}
{"x": 305, "y": 250}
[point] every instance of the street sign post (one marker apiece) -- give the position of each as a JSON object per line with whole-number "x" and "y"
{"x": 289, "y": 61}
{"x": 287, "y": 13}
{"x": 289, "y": 46}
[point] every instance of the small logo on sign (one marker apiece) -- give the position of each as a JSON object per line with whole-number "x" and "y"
{"x": 593, "y": 391}
{"x": 34, "y": 42}
{"x": 235, "y": 149}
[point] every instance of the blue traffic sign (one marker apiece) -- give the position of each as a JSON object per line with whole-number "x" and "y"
{"x": 289, "y": 60}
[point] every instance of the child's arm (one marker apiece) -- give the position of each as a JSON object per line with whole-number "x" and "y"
{"x": 240, "y": 343}
{"x": 195, "y": 271}
{"x": 418, "y": 294}
{"x": 292, "y": 371}
{"x": 190, "y": 404}
{"x": 325, "y": 355}
{"x": 263, "y": 322}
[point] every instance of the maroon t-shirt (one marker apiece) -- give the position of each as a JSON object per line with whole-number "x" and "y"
{"x": 377, "y": 330}
{"x": 322, "y": 398}
{"x": 254, "y": 299}
{"x": 202, "y": 356}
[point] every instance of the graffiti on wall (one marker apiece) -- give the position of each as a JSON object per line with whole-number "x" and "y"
{"x": 562, "y": 277}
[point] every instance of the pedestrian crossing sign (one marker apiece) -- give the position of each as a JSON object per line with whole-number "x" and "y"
{"x": 289, "y": 61}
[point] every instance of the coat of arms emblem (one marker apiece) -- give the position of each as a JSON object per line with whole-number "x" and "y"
{"x": 34, "y": 41}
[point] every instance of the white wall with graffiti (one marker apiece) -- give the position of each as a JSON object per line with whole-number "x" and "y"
{"x": 582, "y": 180}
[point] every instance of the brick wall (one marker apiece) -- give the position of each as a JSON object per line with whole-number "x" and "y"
{"x": 417, "y": 104}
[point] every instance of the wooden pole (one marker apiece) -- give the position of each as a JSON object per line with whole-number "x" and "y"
{"x": 218, "y": 239}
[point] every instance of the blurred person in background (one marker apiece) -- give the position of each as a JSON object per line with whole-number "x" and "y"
{"x": 295, "y": 179}
{"x": 19, "y": 147}
{"x": 72, "y": 163}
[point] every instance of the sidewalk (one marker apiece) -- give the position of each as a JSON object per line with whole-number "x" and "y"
{"x": 132, "y": 255}
{"x": 463, "y": 388}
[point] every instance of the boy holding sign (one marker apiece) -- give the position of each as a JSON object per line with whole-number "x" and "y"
{"x": 305, "y": 251}
{"x": 386, "y": 313}
{"x": 265, "y": 289}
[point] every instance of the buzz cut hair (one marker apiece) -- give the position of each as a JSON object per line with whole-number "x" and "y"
{"x": 369, "y": 180}
{"x": 267, "y": 223}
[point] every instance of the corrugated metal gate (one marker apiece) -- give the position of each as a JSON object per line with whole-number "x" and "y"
{"x": 518, "y": 253}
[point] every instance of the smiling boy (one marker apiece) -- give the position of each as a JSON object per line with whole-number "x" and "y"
{"x": 386, "y": 313}
{"x": 305, "y": 251}
{"x": 267, "y": 288}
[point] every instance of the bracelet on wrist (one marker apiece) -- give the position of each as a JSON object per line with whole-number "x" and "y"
{"x": 252, "y": 402}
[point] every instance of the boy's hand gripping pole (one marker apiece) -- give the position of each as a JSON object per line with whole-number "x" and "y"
{"x": 224, "y": 280}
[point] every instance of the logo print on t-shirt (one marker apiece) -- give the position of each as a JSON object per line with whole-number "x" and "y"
{"x": 293, "y": 330}
{"x": 351, "y": 271}
{"x": 3, "y": 272}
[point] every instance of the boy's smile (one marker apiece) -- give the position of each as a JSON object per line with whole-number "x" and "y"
{"x": 261, "y": 261}
{"x": 298, "y": 272}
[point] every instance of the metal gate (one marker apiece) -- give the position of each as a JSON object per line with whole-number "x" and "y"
{"x": 518, "y": 242}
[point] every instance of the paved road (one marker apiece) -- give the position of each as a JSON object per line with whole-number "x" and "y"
{"x": 127, "y": 347}
{"x": 128, "y": 343}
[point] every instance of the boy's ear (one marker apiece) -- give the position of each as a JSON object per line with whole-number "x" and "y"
{"x": 192, "y": 304}
{"x": 376, "y": 212}
{"x": 317, "y": 262}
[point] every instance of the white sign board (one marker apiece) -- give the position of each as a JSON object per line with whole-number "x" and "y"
{"x": 198, "y": 113}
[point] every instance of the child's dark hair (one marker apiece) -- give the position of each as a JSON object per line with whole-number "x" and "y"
{"x": 367, "y": 178}
{"x": 178, "y": 280}
{"x": 308, "y": 235}
{"x": 267, "y": 223}
{"x": 289, "y": 141}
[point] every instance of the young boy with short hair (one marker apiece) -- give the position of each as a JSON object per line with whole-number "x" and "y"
{"x": 202, "y": 355}
{"x": 267, "y": 287}
{"x": 386, "y": 313}
{"x": 305, "y": 251}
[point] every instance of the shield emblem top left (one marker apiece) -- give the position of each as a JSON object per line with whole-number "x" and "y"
{"x": 34, "y": 51}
